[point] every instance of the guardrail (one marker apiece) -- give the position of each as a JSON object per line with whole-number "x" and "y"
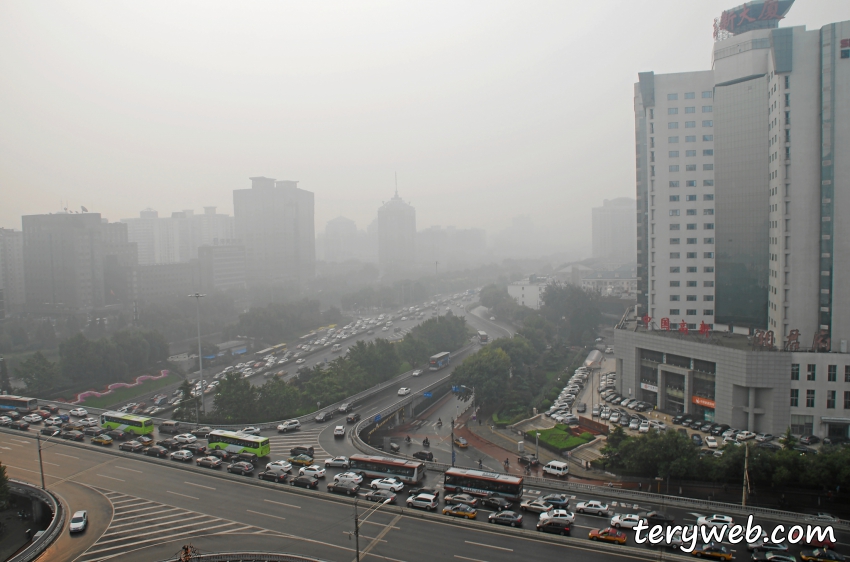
{"x": 57, "y": 523}
{"x": 248, "y": 556}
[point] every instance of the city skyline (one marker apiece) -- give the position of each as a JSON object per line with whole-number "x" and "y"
{"x": 409, "y": 102}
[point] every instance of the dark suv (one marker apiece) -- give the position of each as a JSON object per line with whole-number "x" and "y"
{"x": 557, "y": 526}
{"x": 324, "y": 416}
{"x": 423, "y": 455}
{"x": 295, "y": 451}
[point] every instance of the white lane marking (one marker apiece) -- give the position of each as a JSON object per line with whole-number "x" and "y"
{"x": 489, "y": 546}
{"x": 199, "y": 485}
{"x": 130, "y": 469}
{"x": 265, "y": 514}
{"x": 153, "y": 524}
{"x": 69, "y": 456}
{"x": 286, "y": 504}
{"x": 365, "y": 537}
{"x": 110, "y": 477}
{"x": 16, "y": 445}
{"x": 19, "y": 441}
{"x": 7, "y": 448}
{"x": 50, "y": 463}
{"x": 466, "y": 558}
{"x": 182, "y": 495}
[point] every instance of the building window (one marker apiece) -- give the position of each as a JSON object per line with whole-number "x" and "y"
{"x": 795, "y": 371}
{"x": 674, "y": 312}
{"x": 708, "y": 283}
{"x": 787, "y": 100}
{"x": 690, "y": 153}
{"x": 651, "y": 113}
{"x": 674, "y": 227}
{"x": 708, "y": 166}
{"x": 673, "y": 139}
{"x": 690, "y": 168}
{"x": 674, "y": 198}
{"x": 690, "y": 124}
{"x": 708, "y": 255}
{"x": 674, "y": 183}
{"x": 674, "y": 269}
{"x": 708, "y": 196}
{"x": 692, "y": 269}
{"x": 691, "y": 212}
{"x": 708, "y": 123}
{"x": 692, "y": 226}
{"x": 795, "y": 397}
{"x": 673, "y": 125}
{"x": 708, "y": 240}
{"x": 691, "y": 297}
{"x": 674, "y": 154}
{"x": 674, "y": 212}
{"x": 674, "y": 167}
{"x": 674, "y": 298}
{"x": 692, "y": 255}
{"x": 691, "y": 312}
{"x": 672, "y": 111}
{"x": 690, "y": 197}
{"x": 692, "y": 241}
{"x": 810, "y": 398}
{"x": 707, "y": 109}
{"x": 690, "y": 95}
{"x": 708, "y": 269}
{"x": 708, "y": 138}
{"x": 691, "y": 183}
{"x": 708, "y": 183}
{"x": 692, "y": 283}
{"x": 674, "y": 241}
{"x": 674, "y": 255}
{"x": 691, "y": 138}
{"x": 811, "y": 372}
{"x": 847, "y": 394}
{"x": 708, "y": 152}
{"x": 832, "y": 373}
{"x": 671, "y": 97}
{"x": 690, "y": 110}
{"x": 708, "y": 211}
{"x": 708, "y": 312}
{"x": 830, "y": 399}
{"x": 708, "y": 298}
{"x": 674, "y": 283}
{"x": 708, "y": 226}
{"x": 706, "y": 94}
{"x": 846, "y": 373}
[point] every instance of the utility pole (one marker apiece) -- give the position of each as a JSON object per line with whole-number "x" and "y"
{"x": 356, "y": 530}
{"x": 453, "y": 443}
{"x": 746, "y": 478}
{"x": 197, "y": 297}
{"x": 436, "y": 263}
{"x": 40, "y": 465}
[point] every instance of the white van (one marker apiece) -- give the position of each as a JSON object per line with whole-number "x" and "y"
{"x": 336, "y": 348}
{"x": 557, "y": 468}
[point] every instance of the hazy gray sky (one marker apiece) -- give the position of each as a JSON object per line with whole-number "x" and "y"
{"x": 486, "y": 110}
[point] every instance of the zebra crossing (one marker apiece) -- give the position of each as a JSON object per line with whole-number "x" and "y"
{"x": 281, "y": 443}
{"x": 138, "y": 523}
{"x": 419, "y": 424}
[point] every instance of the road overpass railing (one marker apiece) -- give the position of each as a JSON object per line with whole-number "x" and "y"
{"x": 247, "y": 556}
{"x": 57, "y": 522}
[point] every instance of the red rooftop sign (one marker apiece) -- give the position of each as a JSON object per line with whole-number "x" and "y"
{"x": 764, "y": 14}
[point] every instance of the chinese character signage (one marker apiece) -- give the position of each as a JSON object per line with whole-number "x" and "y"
{"x": 665, "y": 324}
{"x": 700, "y": 401}
{"x": 763, "y": 14}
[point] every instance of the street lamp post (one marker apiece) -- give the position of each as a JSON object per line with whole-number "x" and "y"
{"x": 197, "y": 297}
{"x": 40, "y": 464}
{"x": 537, "y": 443}
{"x": 357, "y": 522}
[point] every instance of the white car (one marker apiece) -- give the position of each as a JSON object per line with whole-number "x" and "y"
{"x": 313, "y": 470}
{"x": 644, "y": 426}
{"x": 79, "y": 522}
{"x": 745, "y": 435}
{"x": 593, "y": 506}
{"x": 181, "y": 455}
{"x": 625, "y": 520}
{"x": 279, "y": 465}
{"x": 79, "y": 413}
{"x": 339, "y": 431}
{"x": 300, "y": 361}
{"x": 387, "y": 484}
{"x": 559, "y": 514}
{"x": 341, "y": 462}
{"x": 417, "y": 372}
{"x": 403, "y": 391}
{"x": 251, "y": 430}
{"x": 32, "y": 418}
{"x": 185, "y": 438}
{"x": 349, "y": 477}
{"x": 715, "y": 520}
{"x": 289, "y": 425}
{"x": 53, "y": 420}
{"x": 536, "y": 505}
{"x": 659, "y": 425}
{"x": 711, "y": 441}
{"x": 5, "y": 420}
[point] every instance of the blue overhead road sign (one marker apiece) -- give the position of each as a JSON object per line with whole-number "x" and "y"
{"x": 377, "y": 417}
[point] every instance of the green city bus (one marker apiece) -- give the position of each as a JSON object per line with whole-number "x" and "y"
{"x": 236, "y": 442}
{"x": 138, "y": 425}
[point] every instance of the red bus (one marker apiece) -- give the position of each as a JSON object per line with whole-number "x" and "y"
{"x": 481, "y": 483}
{"x": 409, "y": 472}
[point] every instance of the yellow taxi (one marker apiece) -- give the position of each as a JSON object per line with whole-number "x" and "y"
{"x": 460, "y": 510}
{"x": 716, "y": 551}
{"x": 608, "y": 535}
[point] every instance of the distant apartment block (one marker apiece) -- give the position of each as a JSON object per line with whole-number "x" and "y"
{"x": 222, "y": 267}
{"x": 613, "y": 230}
{"x": 177, "y": 238}
{"x": 529, "y": 292}
{"x": 12, "y": 270}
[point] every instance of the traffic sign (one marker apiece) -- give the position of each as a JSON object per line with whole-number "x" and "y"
{"x": 427, "y": 395}
{"x": 377, "y": 418}
{"x": 455, "y": 389}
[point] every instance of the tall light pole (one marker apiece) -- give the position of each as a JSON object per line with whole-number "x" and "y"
{"x": 537, "y": 441}
{"x": 40, "y": 465}
{"x": 357, "y": 522}
{"x": 197, "y": 297}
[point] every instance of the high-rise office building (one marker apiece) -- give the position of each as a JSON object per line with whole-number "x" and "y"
{"x": 12, "y": 270}
{"x": 614, "y": 229}
{"x": 63, "y": 262}
{"x": 176, "y": 239}
{"x": 274, "y": 221}
{"x": 396, "y": 234}
{"x": 780, "y": 100}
